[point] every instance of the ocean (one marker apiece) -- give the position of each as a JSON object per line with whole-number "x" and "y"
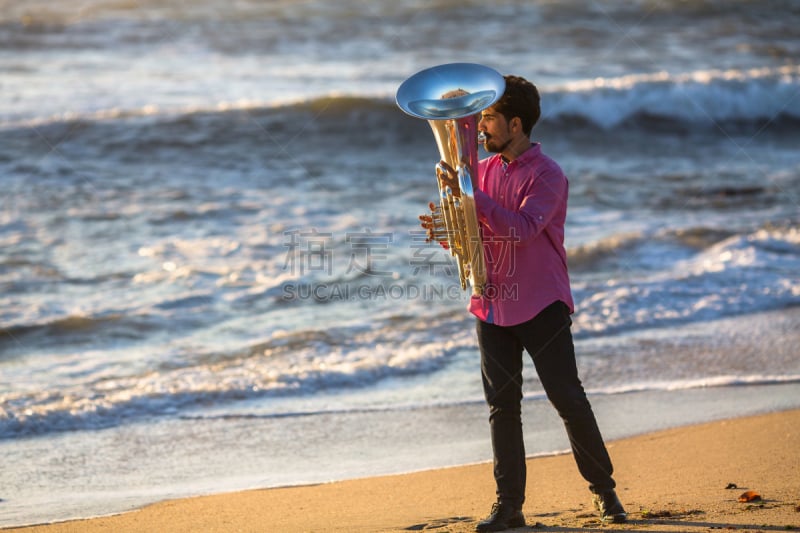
{"x": 211, "y": 272}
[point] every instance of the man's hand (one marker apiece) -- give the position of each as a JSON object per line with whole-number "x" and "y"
{"x": 448, "y": 176}
{"x": 426, "y": 221}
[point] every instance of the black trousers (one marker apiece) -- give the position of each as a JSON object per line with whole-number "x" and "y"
{"x": 548, "y": 340}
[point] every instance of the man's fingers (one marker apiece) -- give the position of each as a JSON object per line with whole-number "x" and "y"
{"x": 447, "y": 167}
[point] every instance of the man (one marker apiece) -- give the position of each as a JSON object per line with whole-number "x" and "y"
{"x": 521, "y": 202}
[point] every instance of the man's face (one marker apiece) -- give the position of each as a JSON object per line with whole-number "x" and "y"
{"x": 495, "y": 129}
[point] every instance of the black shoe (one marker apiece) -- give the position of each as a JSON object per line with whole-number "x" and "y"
{"x": 610, "y": 507}
{"x": 502, "y": 517}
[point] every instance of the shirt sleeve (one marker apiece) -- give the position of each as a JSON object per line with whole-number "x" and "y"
{"x": 545, "y": 196}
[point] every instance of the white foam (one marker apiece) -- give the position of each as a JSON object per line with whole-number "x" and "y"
{"x": 695, "y": 97}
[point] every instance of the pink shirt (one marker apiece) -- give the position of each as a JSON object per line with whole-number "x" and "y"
{"x": 521, "y": 209}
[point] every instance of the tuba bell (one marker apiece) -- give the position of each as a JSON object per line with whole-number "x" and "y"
{"x": 450, "y": 97}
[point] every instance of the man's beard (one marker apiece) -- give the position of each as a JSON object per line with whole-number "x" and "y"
{"x": 491, "y": 147}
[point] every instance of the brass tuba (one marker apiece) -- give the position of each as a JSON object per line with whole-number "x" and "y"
{"x": 450, "y": 97}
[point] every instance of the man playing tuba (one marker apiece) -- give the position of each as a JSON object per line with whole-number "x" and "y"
{"x": 521, "y": 204}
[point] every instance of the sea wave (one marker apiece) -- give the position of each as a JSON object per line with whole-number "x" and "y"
{"x": 705, "y": 97}
{"x": 731, "y": 381}
{"x": 290, "y": 363}
{"x": 700, "y": 383}
{"x": 666, "y": 281}
{"x": 761, "y": 98}
{"x": 675, "y": 246}
{"x": 57, "y": 412}
{"x": 75, "y": 324}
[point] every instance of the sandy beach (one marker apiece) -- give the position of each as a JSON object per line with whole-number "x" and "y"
{"x": 683, "y": 479}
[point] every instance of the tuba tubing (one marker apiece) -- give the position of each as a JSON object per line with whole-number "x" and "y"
{"x": 450, "y": 97}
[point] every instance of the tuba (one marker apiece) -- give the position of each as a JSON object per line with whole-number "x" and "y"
{"x": 450, "y": 97}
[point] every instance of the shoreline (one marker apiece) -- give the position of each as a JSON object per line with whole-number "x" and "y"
{"x": 669, "y": 480}
{"x": 171, "y": 459}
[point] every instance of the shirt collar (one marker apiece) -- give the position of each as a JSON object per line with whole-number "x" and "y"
{"x": 533, "y": 151}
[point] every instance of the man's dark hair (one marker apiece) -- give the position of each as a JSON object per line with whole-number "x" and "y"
{"x": 521, "y": 99}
